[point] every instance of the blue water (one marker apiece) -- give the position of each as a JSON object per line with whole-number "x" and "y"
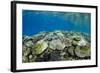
{"x": 38, "y": 21}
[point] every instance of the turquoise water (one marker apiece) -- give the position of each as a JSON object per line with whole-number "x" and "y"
{"x": 38, "y": 21}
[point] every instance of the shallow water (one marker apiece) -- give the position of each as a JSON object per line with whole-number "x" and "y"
{"x": 38, "y": 21}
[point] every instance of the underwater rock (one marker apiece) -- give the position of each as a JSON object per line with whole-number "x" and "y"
{"x": 76, "y": 38}
{"x": 75, "y": 43}
{"x": 39, "y": 47}
{"x": 67, "y": 42}
{"x": 71, "y": 50}
{"x": 79, "y": 41}
{"x": 82, "y": 42}
{"x": 82, "y": 51}
{"x": 56, "y": 46}
{"x": 27, "y": 52}
{"x": 29, "y": 43}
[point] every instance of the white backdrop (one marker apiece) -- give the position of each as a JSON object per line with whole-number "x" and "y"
{"x": 5, "y": 36}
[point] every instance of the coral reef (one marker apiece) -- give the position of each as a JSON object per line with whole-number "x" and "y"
{"x": 56, "y": 46}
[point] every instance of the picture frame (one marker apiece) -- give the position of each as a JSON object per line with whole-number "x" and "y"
{"x": 28, "y": 19}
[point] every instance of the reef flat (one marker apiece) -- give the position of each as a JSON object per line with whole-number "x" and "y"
{"x": 56, "y": 46}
